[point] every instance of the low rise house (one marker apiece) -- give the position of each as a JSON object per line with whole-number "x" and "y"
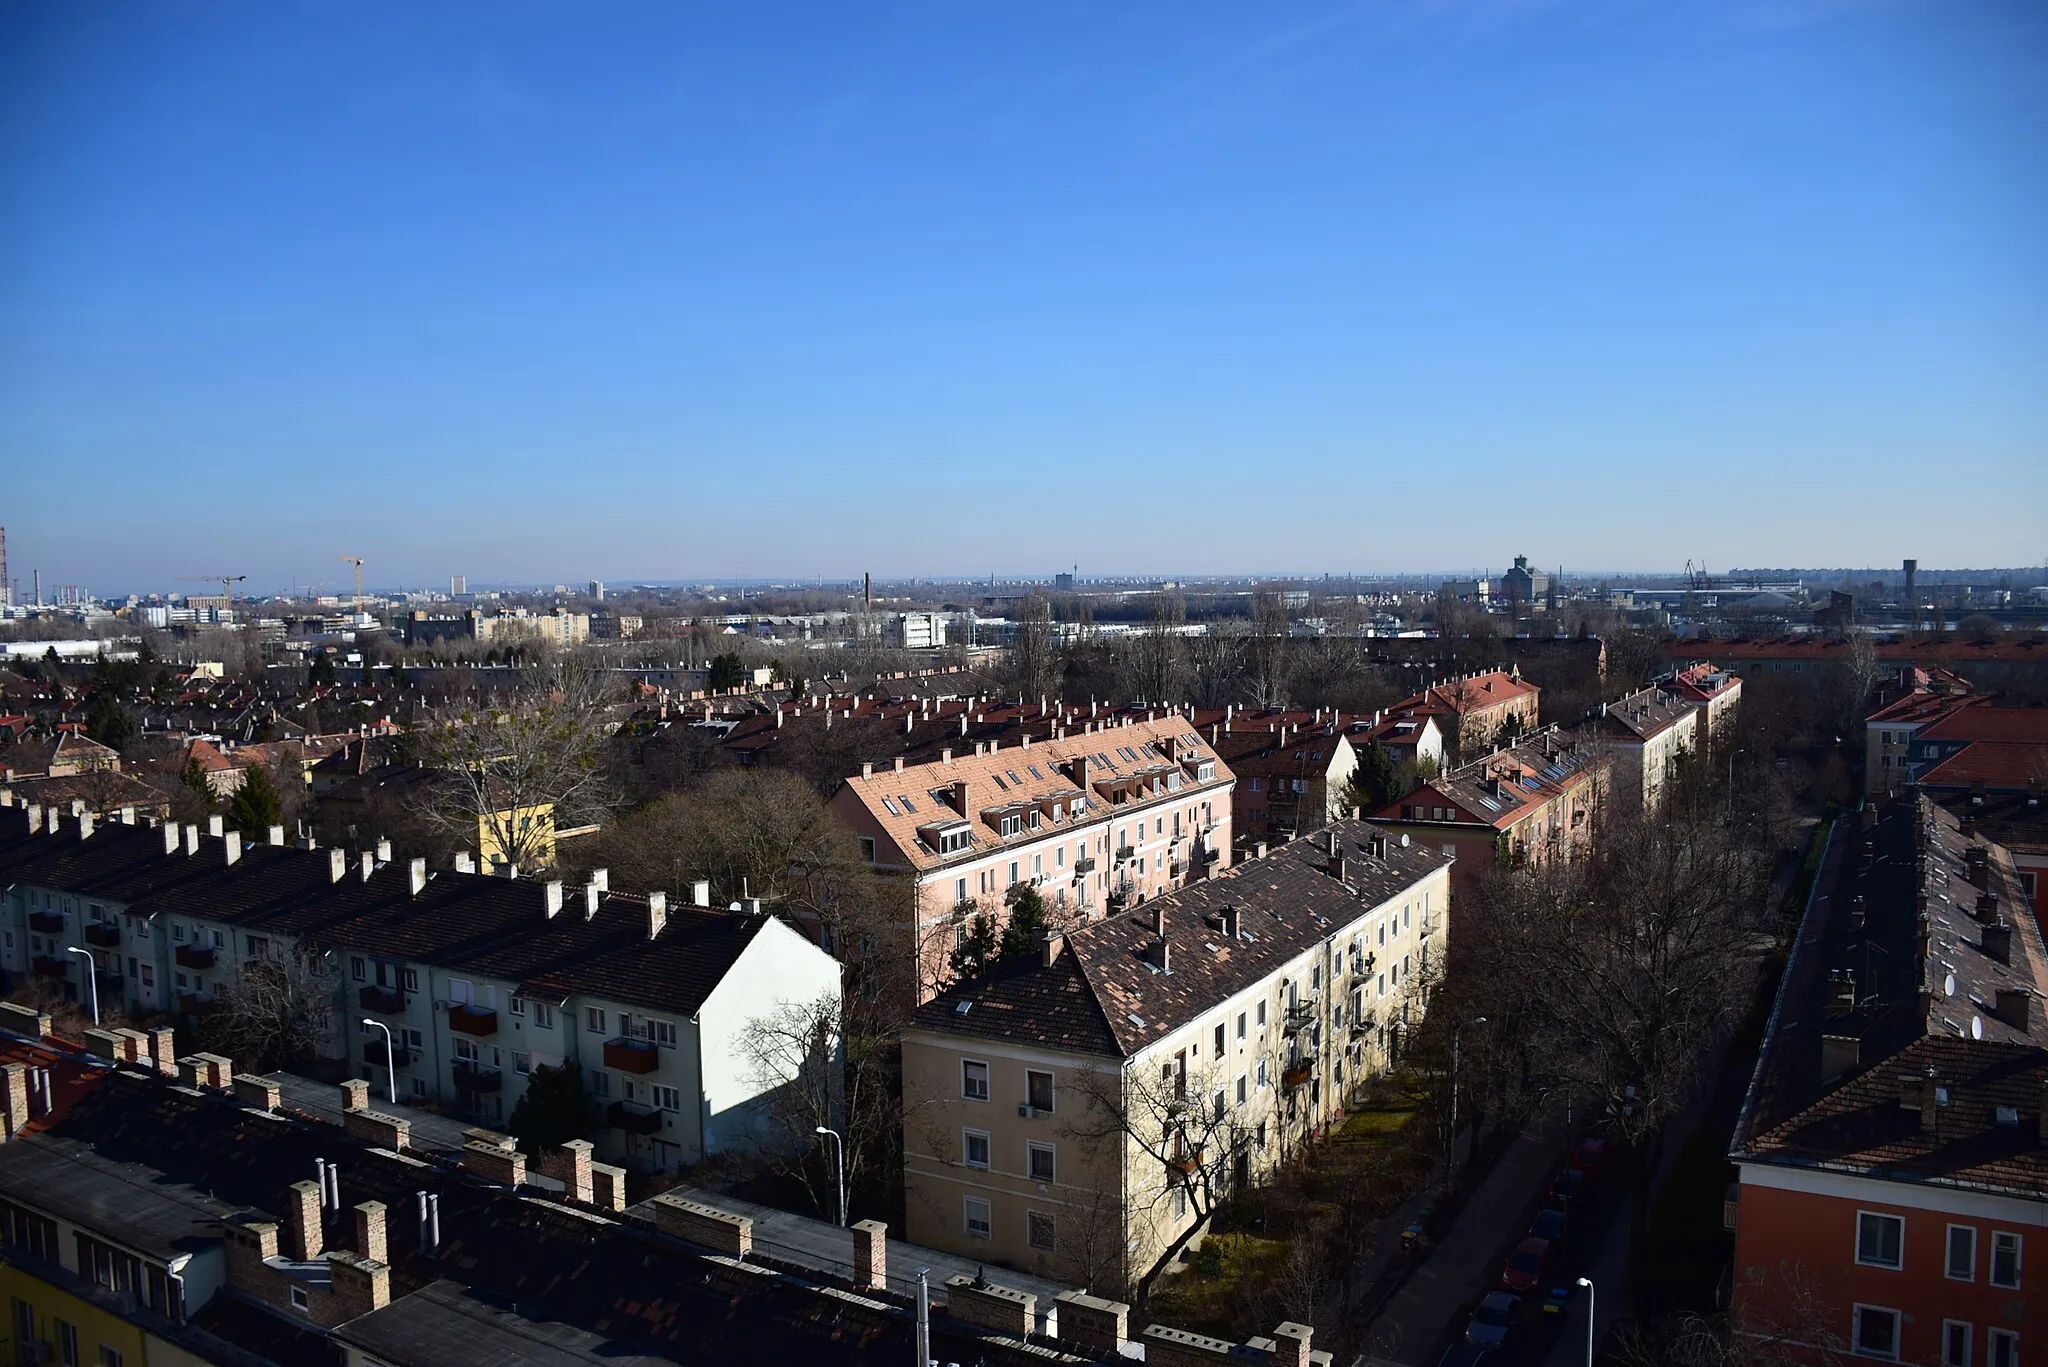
{"x": 1098, "y": 818}
{"x": 1893, "y": 1149}
{"x": 1900, "y": 709}
{"x": 1074, "y": 1113}
{"x": 479, "y": 980}
{"x": 1715, "y": 694}
{"x": 1287, "y": 780}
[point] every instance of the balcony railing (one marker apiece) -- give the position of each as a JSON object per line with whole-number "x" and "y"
{"x": 373, "y": 1054}
{"x": 1125, "y": 852}
{"x": 631, "y": 1055}
{"x": 49, "y": 922}
{"x": 1297, "y": 1075}
{"x": 474, "y": 1077}
{"x": 1298, "y": 1018}
{"x": 1084, "y": 866}
{"x": 191, "y": 1004}
{"x": 49, "y": 966}
{"x": 480, "y": 1022}
{"x": 624, "y": 1115}
{"x": 1185, "y": 1164}
{"x": 103, "y": 935}
{"x": 386, "y": 1001}
{"x": 194, "y": 956}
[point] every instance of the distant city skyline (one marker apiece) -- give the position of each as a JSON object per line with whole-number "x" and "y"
{"x": 658, "y": 292}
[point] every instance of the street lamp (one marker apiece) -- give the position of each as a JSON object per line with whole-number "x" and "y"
{"x": 1591, "y": 1299}
{"x": 1731, "y": 776}
{"x": 390, "y": 1062}
{"x": 839, "y": 1151}
{"x": 92, "y": 979}
{"x": 1451, "y": 1140}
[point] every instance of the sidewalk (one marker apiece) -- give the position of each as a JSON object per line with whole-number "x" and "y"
{"x": 1409, "y": 1329}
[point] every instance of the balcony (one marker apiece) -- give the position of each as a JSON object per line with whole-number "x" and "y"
{"x": 1125, "y": 852}
{"x": 385, "y": 1001}
{"x": 1084, "y": 867}
{"x": 1298, "y": 1018}
{"x": 474, "y": 1077}
{"x": 373, "y": 1054}
{"x": 194, "y": 956}
{"x": 191, "y": 1004}
{"x": 50, "y": 966}
{"x": 480, "y": 1022}
{"x": 1184, "y": 1164}
{"x": 631, "y": 1055}
{"x": 49, "y": 922}
{"x": 624, "y": 1115}
{"x": 103, "y": 935}
{"x": 1298, "y": 1074}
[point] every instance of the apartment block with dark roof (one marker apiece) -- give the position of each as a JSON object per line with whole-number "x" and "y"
{"x": 1893, "y": 1148}
{"x": 478, "y": 979}
{"x": 1646, "y": 735}
{"x": 1058, "y": 1109}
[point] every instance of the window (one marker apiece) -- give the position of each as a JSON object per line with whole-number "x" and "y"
{"x": 2001, "y": 1348}
{"x": 1219, "y": 1041}
{"x": 1262, "y": 1015}
{"x": 662, "y": 1033}
{"x": 412, "y": 980}
{"x": 543, "y": 1016}
{"x": 973, "y": 1079}
{"x": 867, "y": 848}
{"x": 1241, "y": 1081}
{"x": 1042, "y": 1231}
{"x": 109, "y": 1357}
{"x": 419, "y": 1086}
{"x": 516, "y": 1004}
{"x": 522, "y": 1062}
{"x": 667, "y": 1098}
{"x": 1875, "y": 1333}
{"x": 1038, "y": 1161}
{"x": 67, "y": 1344}
{"x": 459, "y": 990}
{"x": 593, "y": 1019}
{"x": 1262, "y": 1072}
{"x": 978, "y": 1223}
{"x": 177, "y": 931}
{"x": 959, "y": 890}
{"x": 1038, "y": 1091}
{"x": 2005, "y": 1258}
{"x": 1955, "y": 1343}
{"x": 357, "y": 969}
{"x": 298, "y": 1294}
{"x": 600, "y": 1082}
{"x": 1962, "y": 1252}
{"x": 1240, "y": 1025}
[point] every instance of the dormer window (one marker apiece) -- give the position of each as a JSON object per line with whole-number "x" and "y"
{"x": 1036, "y": 818}
{"x": 948, "y": 837}
{"x": 1012, "y": 824}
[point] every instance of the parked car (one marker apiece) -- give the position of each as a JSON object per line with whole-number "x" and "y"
{"x": 1466, "y": 1355}
{"x": 1526, "y": 1265}
{"x": 1492, "y": 1320}
{"x": 1594, "y": 1157}
{"x": 1559, "y": 1301}
{"x": 1570, "y": 1184}
{"x": 1548, "y": 1224}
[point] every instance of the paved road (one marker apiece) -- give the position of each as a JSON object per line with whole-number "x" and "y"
{"x": 1411, "y": 1328}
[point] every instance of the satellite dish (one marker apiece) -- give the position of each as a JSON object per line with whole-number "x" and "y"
{"x": 1976, "y": 1027}
{"x": 1948, "y": 985}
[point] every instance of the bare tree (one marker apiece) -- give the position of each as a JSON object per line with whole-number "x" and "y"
{"x": 1155, "y": 661}
{"x": 1853, "y": 676}
{"x": 277, "y": 1009}
{"x": 1037, "y": 652}
{"x": 1266, "y": 680}
{"x": 543, "y": 745}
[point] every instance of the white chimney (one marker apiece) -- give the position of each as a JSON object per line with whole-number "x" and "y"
{"x": 276, "y": 835}
{"x": 591, "y": 895}
{"x": 369, "y": 865}
{"x": 383, "y": 851}
{"x": 215, "y": 825}
{"x": 700, "y": 892}
{"x": 553, "y": 892}
{"x": 191, "y": 839}
{"x": 231, "y": 846}
{"x": 601, "y": 879}
{"x": 657, "y": 913}
{"x": 85, "y": 826}
{"x": 463, "y": 862}
{"x": 337, "y": 865}
{"x": 416, "y": 876}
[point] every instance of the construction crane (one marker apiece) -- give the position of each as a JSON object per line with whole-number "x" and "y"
{"x": 357, "y": 561}
{"x": 227, "y": 584}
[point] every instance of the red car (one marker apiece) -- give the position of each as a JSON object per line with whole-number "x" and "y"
{"x": 1593, "y": 1157}
{"x": 1526, "y": 1265}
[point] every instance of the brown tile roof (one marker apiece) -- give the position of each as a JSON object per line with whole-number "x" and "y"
{"x": 1503, "y": 788}
{"x": 1105, "y": 994}
{"x": 1646, "y": 714}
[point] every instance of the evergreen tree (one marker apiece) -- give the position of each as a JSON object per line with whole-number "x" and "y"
{"x": 195, "y": 779}
{"x": 726, "y": 672}
{"x": 975, "y": 952}
{"x": 1027, "y": 921}
{"x": 256, "y": 805}
{"x": 111, "y": 723}
{"x": 1376, "y": 781}
{"x": 555, "y": 1108}
{"x": 322, "y": 670}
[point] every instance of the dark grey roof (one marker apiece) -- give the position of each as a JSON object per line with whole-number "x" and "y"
{"x": 445, "y": 1325}
{"x": 121, "y": 1202}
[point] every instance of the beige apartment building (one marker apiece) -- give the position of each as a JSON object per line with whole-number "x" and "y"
{"x": 1647, "y": 733}
{"x": 1075, "y": 1113}
{"x": 1101, "y": 817}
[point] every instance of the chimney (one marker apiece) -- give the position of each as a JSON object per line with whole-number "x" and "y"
{"x": 383, "y": 851}
{"x": 552, "y": 890}
{"x": 464, "y": 863}
{"x": 592, "y": 895}
{"x": 657, "y": 913}
{"x": 2015, "y": 1006}
{"x": 577, "y": 1171}
{"x": 1259, "y": 850}
{"x": 871, "y": 1255}
{"x": 1977, "y": 865}
{"x": 1230, "y": 923}
{"x": 1165, "y": 954}
{"x": 416, "y": 879}
{"x": 85, "y": 828}
{"x": 1839, "y": 1055}
{"x": 370, "y": 1241}
{"x": 946, "y": 755}
{"x": 368, "y": 864}
{"x": 14, "y": 1097}
{"x": 215, "y": 825}
{"x": 303, "y": 1238}
{"x": 867, "y": 768}
{"x": 1987, "y": 906}
{"x": 231, "y": 844}
{"x": 355, "y": 1096}
{"x": 1996, "y": 941}
{"x": 1340, "y": 869}
{"x": 337, "y": 865}
{"x": 35, "y": 825}
{"x": 1159, "y": 918}
{"x": 700, "y": 893}
{"x": 163, "y": 1050}
{"x": 1049, "y": 945}
{"x": 191, "y": 837}
{"x": 1290, "y": 1345}
{"x": 899, "y": 762}
{"x": 960, "y": 797}
{"x": 275, "y": 836}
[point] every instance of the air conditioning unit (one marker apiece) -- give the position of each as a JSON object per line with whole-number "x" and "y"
{"x": 1024, "y": 1110}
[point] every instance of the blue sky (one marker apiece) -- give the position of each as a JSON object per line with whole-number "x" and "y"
{"x": 558, "y": 291}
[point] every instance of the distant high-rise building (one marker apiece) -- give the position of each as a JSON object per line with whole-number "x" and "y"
{"x": 597, "y": 589}
{"x": 1063, "y": 583}
{"x": 458, "y": 584}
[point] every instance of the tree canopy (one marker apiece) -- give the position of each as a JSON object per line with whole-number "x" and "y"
{"x": 555, "y": 1108}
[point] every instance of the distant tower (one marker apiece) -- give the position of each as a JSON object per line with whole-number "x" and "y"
{"x": 6, "y": 598}
{"x": 458, "y": 585}
{"x": 1912, "y": 572}
{"x": 867, "y": 591}
{"x": 597, "y": 589}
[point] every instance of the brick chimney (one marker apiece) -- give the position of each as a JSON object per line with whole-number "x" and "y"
{"x": 355, "y": 1095}
{"x": 302, "y": 1236}
{"x": 1291, "y": 1342}
{"x": 163, "y": 1050}
{"x": 1918, "y": 1094}
{"x": 871, "y": 1254}
{"x": 1996, "y": 941}
{"x": 2015, "y": 1006}
{"x": 370, "y": 1232}
{"x": 576, "y": 1175}
{"x": 14, "y": 1097}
